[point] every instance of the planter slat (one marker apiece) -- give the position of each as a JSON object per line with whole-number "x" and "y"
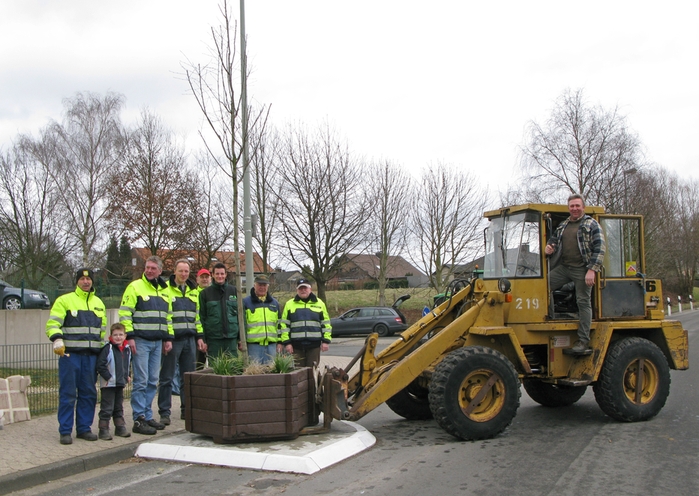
{"x": 243, "y": 406}
{"x": 263, "y": 392}
{"x": 260, "y": 431}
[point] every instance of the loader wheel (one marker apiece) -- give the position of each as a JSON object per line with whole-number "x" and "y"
{"x": 634, "y": 382}
{"x": 553, "y": 395}
{"x": 474, "y": 393}
{"x": 411, "y": 402}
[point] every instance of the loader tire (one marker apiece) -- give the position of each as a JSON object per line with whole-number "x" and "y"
{"x": 553, "y": 395}
{"x": 412, "y": 402}
{"x": 457, "y": 382}
{"x": 634, "y": 382}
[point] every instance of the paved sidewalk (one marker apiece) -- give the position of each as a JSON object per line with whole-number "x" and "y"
{"x": 30, "y": 453}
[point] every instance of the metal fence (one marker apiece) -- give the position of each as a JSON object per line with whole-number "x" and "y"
{"x": 40, "y": 363}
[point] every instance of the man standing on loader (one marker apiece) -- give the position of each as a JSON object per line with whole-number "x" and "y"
{"x": 578, "y": 248}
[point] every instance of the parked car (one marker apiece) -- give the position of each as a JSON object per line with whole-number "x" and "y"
{"x": 12, "y": 297}
{"x": 385, "y": 321}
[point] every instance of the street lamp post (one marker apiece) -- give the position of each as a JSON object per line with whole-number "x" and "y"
{"x": 627, "y": 173}
{"x": 247, "y": 223}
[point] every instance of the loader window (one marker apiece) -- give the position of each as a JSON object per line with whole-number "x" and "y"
{"x": 513, "y": 247}
{"x": 622, "y": 257}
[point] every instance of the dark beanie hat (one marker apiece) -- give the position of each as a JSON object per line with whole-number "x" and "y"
{"x": 84, "y": 272}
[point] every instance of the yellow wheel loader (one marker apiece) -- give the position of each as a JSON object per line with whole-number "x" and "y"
{"x": 463, "y": 363}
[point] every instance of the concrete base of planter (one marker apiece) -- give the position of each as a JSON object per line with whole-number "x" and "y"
{"x": 251, "y": 407}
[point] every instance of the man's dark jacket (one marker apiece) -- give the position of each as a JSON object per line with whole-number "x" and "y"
{"x": 218, "y": 311}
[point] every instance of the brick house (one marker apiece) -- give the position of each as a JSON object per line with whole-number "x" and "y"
{"x": 197, "y": 260}
{"x": 356, "y": 270}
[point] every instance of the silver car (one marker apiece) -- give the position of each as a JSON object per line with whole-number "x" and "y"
{"x": 385, "y": 321}
{"x": 12, "y": 297}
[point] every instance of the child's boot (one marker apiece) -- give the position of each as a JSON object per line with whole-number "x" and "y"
{"x": 120, "y": 428}
{"x": 104, "y": 430}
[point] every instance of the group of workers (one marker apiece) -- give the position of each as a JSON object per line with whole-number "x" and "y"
{"x": 166, "y": 328}
{"x": 164, "y": 324}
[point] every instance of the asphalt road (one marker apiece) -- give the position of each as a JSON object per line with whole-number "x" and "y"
{"x": 575, "y": 450}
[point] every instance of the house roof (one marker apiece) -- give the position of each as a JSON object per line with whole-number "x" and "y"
{"x": 282, "y": 277}
{"x": 397, "y": 266}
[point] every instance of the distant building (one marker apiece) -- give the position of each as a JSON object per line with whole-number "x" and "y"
{"x": 358, "y": 270}
{"x": 198, "y": 261}
{"x": 285, "y": 281}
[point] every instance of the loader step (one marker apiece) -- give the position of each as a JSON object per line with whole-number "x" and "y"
{"x": 573, "y": 382}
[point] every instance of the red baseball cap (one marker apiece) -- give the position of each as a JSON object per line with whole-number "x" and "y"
{"x": 203, "y": 271}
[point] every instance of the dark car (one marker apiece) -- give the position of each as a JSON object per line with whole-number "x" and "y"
{"x": 385, "y": 321}
{"x": 12, "y": 297}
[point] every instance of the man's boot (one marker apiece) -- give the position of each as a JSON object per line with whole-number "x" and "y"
{"x": 120, "y": 428}
{"x": 104, "y": 430}
{"x": 580, "y": 348}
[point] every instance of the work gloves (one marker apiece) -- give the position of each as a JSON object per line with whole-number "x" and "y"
{"x": 59, "y": 348}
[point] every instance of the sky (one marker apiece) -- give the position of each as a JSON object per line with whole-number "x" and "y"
{"x": 416, "y": 83}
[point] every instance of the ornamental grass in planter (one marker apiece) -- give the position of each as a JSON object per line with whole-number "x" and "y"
{"x": 234, "y": 401}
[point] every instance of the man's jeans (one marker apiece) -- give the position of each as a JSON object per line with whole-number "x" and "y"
{"x": 146, "y": 368}
{"x": 262, "y": 354}
{"x": 562, "y": 275}
{"x": 76, "y": 385}
{"x": 183, "y": 353}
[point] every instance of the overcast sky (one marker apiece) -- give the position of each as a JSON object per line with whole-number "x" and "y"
{"x": 413, "y": 82}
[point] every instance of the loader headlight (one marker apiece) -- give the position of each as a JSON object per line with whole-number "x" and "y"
{"x": 504, "y": 285}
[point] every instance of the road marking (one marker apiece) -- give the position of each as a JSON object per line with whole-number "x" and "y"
{"x": 165, "y": 471}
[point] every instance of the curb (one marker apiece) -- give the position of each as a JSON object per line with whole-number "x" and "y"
{"x": 309, "y": 459}
{"x": 66, "y": 468}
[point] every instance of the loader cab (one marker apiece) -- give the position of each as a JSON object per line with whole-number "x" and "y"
{"x": 513, "y": 246}
{"x": 514, "y": 249}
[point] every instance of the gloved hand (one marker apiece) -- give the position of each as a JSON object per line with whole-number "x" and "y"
{"x": 58, "y": 347}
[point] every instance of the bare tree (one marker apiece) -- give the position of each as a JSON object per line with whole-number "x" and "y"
{"x": 87, "y": 148}
{"x": 388, "y": 191}
{"x": 683, "y": 236}
{"x": 90, "y": 141}
{"x": 214, "y": 87}
{"x": 152, "y": 195}
{"x": 34, "y": 243}
{"x": 581, "y": 149}
{"x": 213, "y": 227}
{"x": 266, "y": 181}
{"x": 446, "y": 221}
{"x": 670, "y": 206}
{"x": 523, "y": 192}
{"x": 322, "y": 213}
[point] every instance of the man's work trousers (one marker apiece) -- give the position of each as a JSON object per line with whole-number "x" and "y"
{"x": 562, "y": 275}
{"x": 306, "y": 357}
{"x": 183, "y": 353}
{"x": 263, "y": 354}
{"x": 219, "y": 346}
{"x": 77, "y": 393}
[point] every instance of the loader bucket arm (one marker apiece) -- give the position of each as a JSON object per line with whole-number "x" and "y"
{"x": 388, "y": 379}
{"x": 408, "y": 340}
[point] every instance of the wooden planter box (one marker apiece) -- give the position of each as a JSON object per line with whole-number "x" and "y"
{"x": 251, "y": 407}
